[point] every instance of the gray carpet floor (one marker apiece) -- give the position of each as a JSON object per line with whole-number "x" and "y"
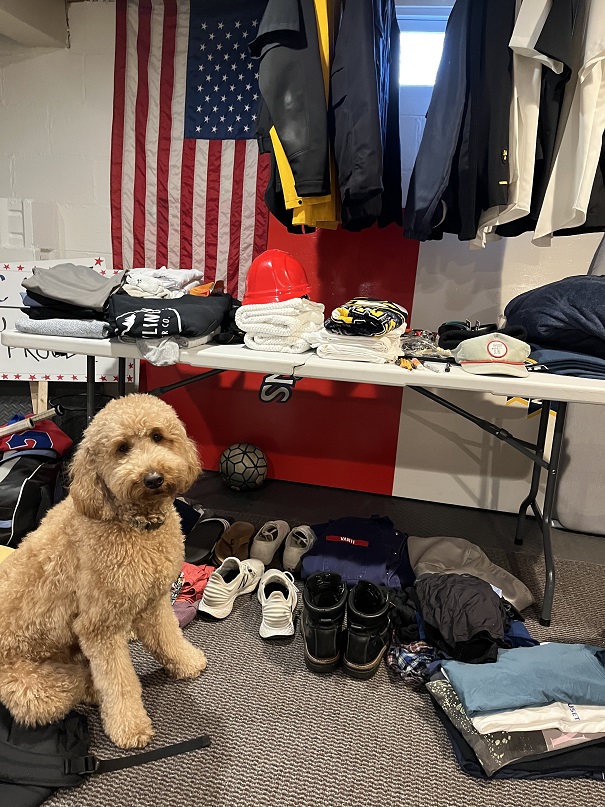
{"x": 283, "y": 737}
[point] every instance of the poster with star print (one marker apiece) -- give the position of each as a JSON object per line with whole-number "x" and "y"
{"x": 25, "y": 364}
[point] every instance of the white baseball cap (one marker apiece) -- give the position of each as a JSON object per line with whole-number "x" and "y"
{"x": 493, "y": 354}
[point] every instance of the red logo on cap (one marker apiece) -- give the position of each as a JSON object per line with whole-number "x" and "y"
{"x": 497, "y": 349}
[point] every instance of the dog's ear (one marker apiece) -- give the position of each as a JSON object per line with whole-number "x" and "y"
{"x": 86, "y": 488}
{"x": 188, "y": 449}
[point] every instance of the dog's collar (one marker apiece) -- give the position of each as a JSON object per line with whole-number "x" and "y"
{"x": 146, "y": 526}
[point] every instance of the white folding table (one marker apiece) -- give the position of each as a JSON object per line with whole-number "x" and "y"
{"x": 551, "y": 390}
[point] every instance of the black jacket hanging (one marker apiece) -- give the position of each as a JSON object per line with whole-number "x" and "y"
{"x": 480, "y": 173}
{"x": 462, "y": 165}
{"x": 431, "y": 173}
{"x": 292, "y": 87}
{"x": 365, "y": 113}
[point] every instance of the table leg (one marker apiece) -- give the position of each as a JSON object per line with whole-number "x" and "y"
{"x": 39, "y": 395}
{"x": 549, "y": 500}
{"x": 121, "y": 377}
{"x": 535, "y": 478}
{"x": 90, "y": 388}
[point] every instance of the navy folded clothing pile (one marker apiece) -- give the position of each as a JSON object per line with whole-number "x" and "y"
{"x": 567, "y": 315}
{"x": 69, "y": 300}
{"x": 565, "y": 362}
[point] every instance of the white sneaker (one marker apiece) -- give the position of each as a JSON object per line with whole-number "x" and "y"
{"x": 278, "y": 596}
{"x": 268, "y": 540}
{"x": 232, "y": 579}
{"x": 299, "y": 541}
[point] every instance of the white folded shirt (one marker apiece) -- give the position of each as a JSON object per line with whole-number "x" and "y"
{"x": 276, "y": 344}
{"x": 377, "y": 349}
{"x": 385, "y": 344}
{"x": 350, "y": 353}
{"x": 563, "y": 716}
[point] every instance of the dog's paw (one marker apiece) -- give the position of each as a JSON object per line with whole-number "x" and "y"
{"x": 189, "y": 665}
{"x": 134, "y": 731}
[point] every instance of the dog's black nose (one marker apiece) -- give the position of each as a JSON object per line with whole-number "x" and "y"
{"x": 153, "y": 481}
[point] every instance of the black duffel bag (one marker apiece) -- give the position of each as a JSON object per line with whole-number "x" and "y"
{"x": 34, "y": 762}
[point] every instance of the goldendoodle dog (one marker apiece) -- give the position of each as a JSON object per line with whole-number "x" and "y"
{"x": 98, "y": 569}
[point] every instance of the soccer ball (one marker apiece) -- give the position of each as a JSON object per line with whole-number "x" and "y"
{"x": 243, "y": 466}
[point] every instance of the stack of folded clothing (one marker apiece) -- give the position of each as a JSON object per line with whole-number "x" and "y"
{"x": 67, "y": 300}
{"x": 362, "y": 329}
{"x": 280, "y": 327}
{"x": 568, "y": 314}
{"x": 161, "y": 327}
{"x": 537, "y": 712}
{"x": 163, "y": 283}
{"x": 462, "y": 606}
{"x": 376, "y": 349}
{"x": 565, "y": 362}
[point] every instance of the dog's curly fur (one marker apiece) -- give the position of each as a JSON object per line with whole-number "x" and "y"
{"x": 98, "y": 568}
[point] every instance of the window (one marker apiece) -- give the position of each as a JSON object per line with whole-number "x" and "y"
{"x": 420, "y": 57}
{"x": 422, "y": 34}
{"x": 422, "y": 38}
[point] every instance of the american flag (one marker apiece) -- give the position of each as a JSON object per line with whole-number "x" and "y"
{"x": 187, "y": 181}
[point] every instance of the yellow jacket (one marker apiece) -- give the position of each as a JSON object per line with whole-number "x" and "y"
{"x": 312, "y": 211}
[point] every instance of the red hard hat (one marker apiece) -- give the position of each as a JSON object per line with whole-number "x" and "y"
{"x": 275, "y": 276}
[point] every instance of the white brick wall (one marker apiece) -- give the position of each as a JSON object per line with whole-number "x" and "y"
{"x": 413, "y": 104}
{"x": 55, "y": 139}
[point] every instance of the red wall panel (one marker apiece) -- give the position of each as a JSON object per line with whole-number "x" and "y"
{"x": 328, "y": 433}
{"x": 341, "y": 265}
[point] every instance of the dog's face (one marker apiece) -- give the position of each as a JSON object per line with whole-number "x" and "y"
{"x": 135, "y": 453}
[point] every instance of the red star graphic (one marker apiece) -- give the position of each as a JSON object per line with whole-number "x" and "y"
{"x": 98, "y": 261}
{"x": 103, "y": 378}
{"x": 130, "y": 366}
{"x": 115, "y": 378}
{"x": 20, "y": 268}
{"x": 47, "y": 378}
{"x": 32, "y": 377}
{"x": 103, "y": 271}
{"x": 4, "y": 375}
{"x": 129, "y": 378}
{"x": 17, "y": 375}
{"x": 115, "y": 271}
{"x": 7, "y": 266}
{"x": 59, "y": 378}
{"x": 74, "y": 378}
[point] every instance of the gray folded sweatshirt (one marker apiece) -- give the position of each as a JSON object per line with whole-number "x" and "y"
{"x": 85, "y": 328}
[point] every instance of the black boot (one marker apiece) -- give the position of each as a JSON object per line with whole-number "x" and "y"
{"x": 324, "y": 602}
{"x": 367, "y": 634}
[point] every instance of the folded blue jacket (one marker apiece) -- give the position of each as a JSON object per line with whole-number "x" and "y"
{"x": 566, "y": 315}
{"x": 361, "y": 549}
{"x": 564, "y": 362}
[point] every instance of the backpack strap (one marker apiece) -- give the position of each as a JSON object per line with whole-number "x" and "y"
{"x": 91, "y": 764}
